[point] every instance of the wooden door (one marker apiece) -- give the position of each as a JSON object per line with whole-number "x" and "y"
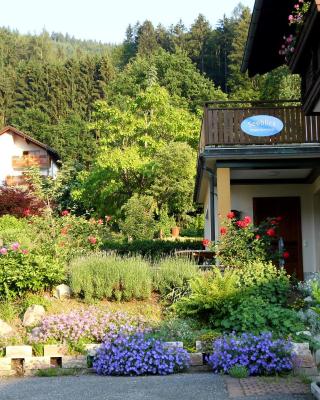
{"x": 289, "y": 209}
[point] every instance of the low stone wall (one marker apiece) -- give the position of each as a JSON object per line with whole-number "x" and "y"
{"x": 18, "y": 360}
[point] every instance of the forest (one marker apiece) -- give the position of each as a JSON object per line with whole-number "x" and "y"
{"x": 125, "y": 118}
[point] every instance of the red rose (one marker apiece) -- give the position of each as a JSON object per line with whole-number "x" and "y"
{"x": 247, "y": 220}
{"x": 258, "y": 237}
{"x": 271, "y": 232}
{"x": 205, "y": 242}
{"x": 92, "y": 239}
{"x": 100, "y": 221}
{"x": 223, "y": 230}
{"x": 65, "y": 213}
{"x": 286, "y": 255}
{"x": 231, "y": 215}
{"x": 26, "y": 212}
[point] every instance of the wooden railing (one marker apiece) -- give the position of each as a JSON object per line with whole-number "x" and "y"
{"x": 41, "y": 161}
{"x": 222, "y": 125}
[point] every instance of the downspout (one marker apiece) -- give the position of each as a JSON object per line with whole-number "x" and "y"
{"x": 212, "y": 203}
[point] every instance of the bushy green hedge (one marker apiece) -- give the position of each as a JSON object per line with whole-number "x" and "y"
{"x": 101, "y": 276}
{"x": 153, "y": 249}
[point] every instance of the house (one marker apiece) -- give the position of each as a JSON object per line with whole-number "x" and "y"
{"x": 268, "y": 27}
{"x": 262, "y": 159}
{"x": 19, "y": 151}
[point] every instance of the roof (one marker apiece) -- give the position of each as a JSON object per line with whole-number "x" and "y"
{"x": 51, "y": 151}
{"x": 269, "y": 24}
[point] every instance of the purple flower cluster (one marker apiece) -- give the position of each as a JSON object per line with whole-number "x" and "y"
{"x": 138, "y": 355}
{"x": 261, "y": 355}
{"x": 90, "y": 325}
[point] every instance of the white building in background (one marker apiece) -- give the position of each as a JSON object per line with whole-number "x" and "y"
{"x": 18, "y": 152}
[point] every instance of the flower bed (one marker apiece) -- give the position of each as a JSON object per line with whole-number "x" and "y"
{"x": 261, "y": 355}
{"x": 91, "y": 325}
{"x": 138, "y": 355}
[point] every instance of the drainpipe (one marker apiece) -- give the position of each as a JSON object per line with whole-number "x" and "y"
{"x": 212, "y": 203}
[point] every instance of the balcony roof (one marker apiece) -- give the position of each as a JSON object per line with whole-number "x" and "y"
{"x": 50, "y": 150}
{"x": 269, "y": 24}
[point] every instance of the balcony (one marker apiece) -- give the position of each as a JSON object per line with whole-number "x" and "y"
{"x": 40, "y": 161}
{"x": 221, "y": 125}
{"x": 15, "y": 180}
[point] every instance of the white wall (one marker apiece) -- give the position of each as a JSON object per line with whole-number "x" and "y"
{"x": 207, "y": 214}
{"x": 242, "y": 200}
{"x": 14, "y": 145}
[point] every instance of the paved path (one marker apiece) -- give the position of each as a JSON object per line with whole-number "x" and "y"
{"x": 200, "y": 386}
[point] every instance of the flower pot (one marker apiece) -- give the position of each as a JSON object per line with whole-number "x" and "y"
{"x": 175, "y": 231}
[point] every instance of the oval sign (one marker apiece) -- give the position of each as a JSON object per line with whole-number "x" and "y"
{"x": 262, "y": 125}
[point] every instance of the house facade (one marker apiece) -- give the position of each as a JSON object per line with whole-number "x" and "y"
{"x": 18, "y": 152}
{"x": 263, "y": 160}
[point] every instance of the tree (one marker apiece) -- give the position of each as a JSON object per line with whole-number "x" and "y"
{"x": 197, "y": 40}
{"x": 173, "y": 183}
{"x": 147, "y": 39}
{"x": 139, "y": 222}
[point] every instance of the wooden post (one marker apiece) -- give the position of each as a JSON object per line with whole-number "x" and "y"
{"x": 223, "y": 192}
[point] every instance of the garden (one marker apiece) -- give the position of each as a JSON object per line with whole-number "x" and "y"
{"x": 133, "y": 307}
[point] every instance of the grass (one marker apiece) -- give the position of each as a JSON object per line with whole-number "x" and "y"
{"x": 52, "y": 372}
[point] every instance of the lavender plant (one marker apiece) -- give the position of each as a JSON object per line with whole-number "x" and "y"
{"x": 138, "y": 355}
{"x": 91, "y": 325}
{"x": 261, "y": 354}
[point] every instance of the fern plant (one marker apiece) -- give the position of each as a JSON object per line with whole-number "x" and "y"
{"x": 210, "y": 294}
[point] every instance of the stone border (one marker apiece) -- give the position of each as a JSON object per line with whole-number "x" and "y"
{"x": 18, "y": 360}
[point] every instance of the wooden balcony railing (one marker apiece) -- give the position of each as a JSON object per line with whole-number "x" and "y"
{"x": 41, "y": 161}
{"x": 15, "y": 180}
{"x": 222, "y": 124}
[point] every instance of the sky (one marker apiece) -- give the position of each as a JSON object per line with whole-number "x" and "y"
{"x": 105, "y": 20}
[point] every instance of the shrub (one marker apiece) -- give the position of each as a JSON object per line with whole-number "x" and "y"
{"x": 265, "y": 280}
{"x": 13, "y": 229}
{"x": 19, "y": 202}
{"x": 210, "y": 295}
{"x": 261, "y": 355}
{"x": 89, "y": 326}
{"x": 22, "y": 271}
{"x": 241, "y": 242}
{"x": 172, "y": 276}
{"x": 253, "y": 314}
{"x": 138, "y": 355}
{"x": 152, "y": 249}
{"x": 139, "y": 220}
{"x": 101, "y": 276}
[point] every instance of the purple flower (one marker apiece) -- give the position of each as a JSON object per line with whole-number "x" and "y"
{"x": 261, "y": 354}
{"x": 138, "y": 355}
{"x": 3, "y": 251}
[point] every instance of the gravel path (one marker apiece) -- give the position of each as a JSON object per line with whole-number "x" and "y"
{"x": 191, "y": 386}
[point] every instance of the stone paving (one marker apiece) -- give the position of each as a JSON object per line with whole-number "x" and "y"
{"x": 265, "y": 386}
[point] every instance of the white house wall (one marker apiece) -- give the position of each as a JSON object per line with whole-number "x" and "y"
{"x": 242, "y": 200}
{"x": 14, "y": 145}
